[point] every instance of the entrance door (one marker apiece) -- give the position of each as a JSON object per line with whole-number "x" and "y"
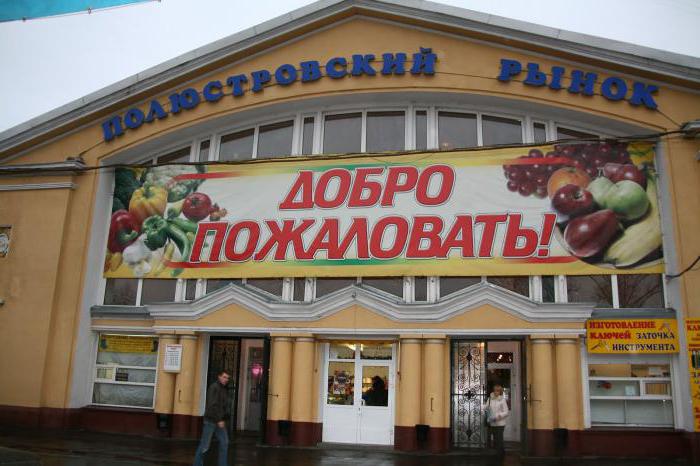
{"x": 477, "y": 366}
{"x": 469, "y": 392}
{"x": 503, "y": 368}
{"x": 251, "y": 385}
{"x": 224, "y": 354}
{"x": 359, "y": 393}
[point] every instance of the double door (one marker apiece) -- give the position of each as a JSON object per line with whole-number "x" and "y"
{"x": 359, "y": 393}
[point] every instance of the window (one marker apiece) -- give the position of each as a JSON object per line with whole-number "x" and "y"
{"x": 497, "y": 130}
{"x": 190, "y": 289}
{"x": 203, "y": 151}
{"x": 640, "y": 290}
{"x": 326, "y": 286}
{"x": 121, "y": 291}
{"x": 125, "y": 370}
{"x": 520, "y": 285}
{"x": 450, "y": 285}
{"x": 566, "y": 133}
{"x": 213, "y": 285}
{"x": 376, "y": 351}
{"x": 421, "y": 130}
{"x": 180, "y": 155}
{"x": 456, "y": 130}
{"x": 158, "y": 291}
{"x": 342, "y": 133}
{"x": 589, "y": 289}
{"x": 299, "y": 289}
{"x": 391, "y": 285}
{"x": 385, "y": 131}
{"x": 307, "y": 140}
{"x": 632, "y": 390}
{"x": 420, "y": 289}
{"x": 271, "y": 285}
{"x": 275, "y": 140}
{"x": 341, "y": 383}
{"x": 539, "y": 132}
{"x": 237, "y": 146}
{"x": 548, "y": 288}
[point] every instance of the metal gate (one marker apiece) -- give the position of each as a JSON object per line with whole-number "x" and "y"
{"x": 224, "y": 355}
{"x": 468, "y": 393}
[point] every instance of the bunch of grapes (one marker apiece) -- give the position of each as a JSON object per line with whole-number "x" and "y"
{"x": 531, "y": 177}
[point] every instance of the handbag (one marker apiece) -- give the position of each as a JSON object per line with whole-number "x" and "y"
{"x": 487, "y": 413}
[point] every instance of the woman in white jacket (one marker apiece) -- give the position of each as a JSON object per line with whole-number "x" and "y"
{"x": 497, "y": 413}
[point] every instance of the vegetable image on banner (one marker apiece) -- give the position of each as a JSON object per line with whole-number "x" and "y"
{"x": 556, "y": 209}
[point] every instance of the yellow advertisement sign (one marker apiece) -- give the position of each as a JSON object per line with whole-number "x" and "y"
{"x": 128, "y": 344}
{"x": 692, "y": 328}
{"x": 624, "y": 336}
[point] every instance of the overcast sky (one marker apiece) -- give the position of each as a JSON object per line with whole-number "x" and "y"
{"x": 48, "y": 62}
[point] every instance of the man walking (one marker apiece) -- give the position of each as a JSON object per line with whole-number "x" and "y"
{"x": 214, "y": 414}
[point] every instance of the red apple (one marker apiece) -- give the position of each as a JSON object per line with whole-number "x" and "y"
{"x": 611, "y": 169}
{"x": 573, "y": 201}
{"x": 617, "y": 172}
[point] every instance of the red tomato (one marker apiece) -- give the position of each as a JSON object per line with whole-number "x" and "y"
{"x": 196, "y": 206}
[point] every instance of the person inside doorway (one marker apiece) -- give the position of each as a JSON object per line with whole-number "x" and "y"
{"x": 378, "y": 394}
{"x": 497, "y": 413}
{"x": 215, "y": 413}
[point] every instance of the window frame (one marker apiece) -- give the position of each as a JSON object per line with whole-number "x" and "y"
{"x": 650, "y": 359}
{"x": 95, "y": 365}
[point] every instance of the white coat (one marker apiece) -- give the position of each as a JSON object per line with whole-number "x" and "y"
{"x": 497, "y": 409}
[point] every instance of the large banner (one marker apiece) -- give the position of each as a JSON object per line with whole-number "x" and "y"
{"x": 563, "y": 209}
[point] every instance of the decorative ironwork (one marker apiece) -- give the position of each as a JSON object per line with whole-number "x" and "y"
{"x": 468, "y": 393}
{"x": 224, "y": 354}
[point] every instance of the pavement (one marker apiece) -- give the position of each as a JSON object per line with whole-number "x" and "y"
{"x": 20, "y": 447}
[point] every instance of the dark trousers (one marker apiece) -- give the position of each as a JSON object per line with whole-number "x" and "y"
{"x": 495, "y": 437}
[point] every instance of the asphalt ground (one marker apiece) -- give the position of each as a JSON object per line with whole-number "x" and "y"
{"x": 21, "y": 447}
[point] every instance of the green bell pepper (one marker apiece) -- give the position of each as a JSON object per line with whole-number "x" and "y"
{"x": 155, "y": 228}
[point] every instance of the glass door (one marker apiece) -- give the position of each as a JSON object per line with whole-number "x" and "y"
{"x": 340, "y": 413}
{"x": 250, "y": 400}
{"x": 503, "y": 368}
{"x": 359, "y": 393}
{"x": 376, "y": 423}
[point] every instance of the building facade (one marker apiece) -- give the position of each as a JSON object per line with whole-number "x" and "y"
{"x": 153, "y": 235}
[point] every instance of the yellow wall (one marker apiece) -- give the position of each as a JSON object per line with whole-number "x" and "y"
{"x": 41, "y": 280}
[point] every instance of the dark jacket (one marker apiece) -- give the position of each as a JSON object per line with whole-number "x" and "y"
{"x": 217, "y": 408}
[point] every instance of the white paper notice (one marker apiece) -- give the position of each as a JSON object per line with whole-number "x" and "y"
{"x": 173, "y": 358}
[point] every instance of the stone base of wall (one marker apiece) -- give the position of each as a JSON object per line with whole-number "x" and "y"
{"x": 657, "y": 443}
{"x": 103, "y": 419}
{"x": 300, "y": 434}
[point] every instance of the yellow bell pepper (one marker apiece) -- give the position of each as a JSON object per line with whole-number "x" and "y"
{"x": 148, "y": 200}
